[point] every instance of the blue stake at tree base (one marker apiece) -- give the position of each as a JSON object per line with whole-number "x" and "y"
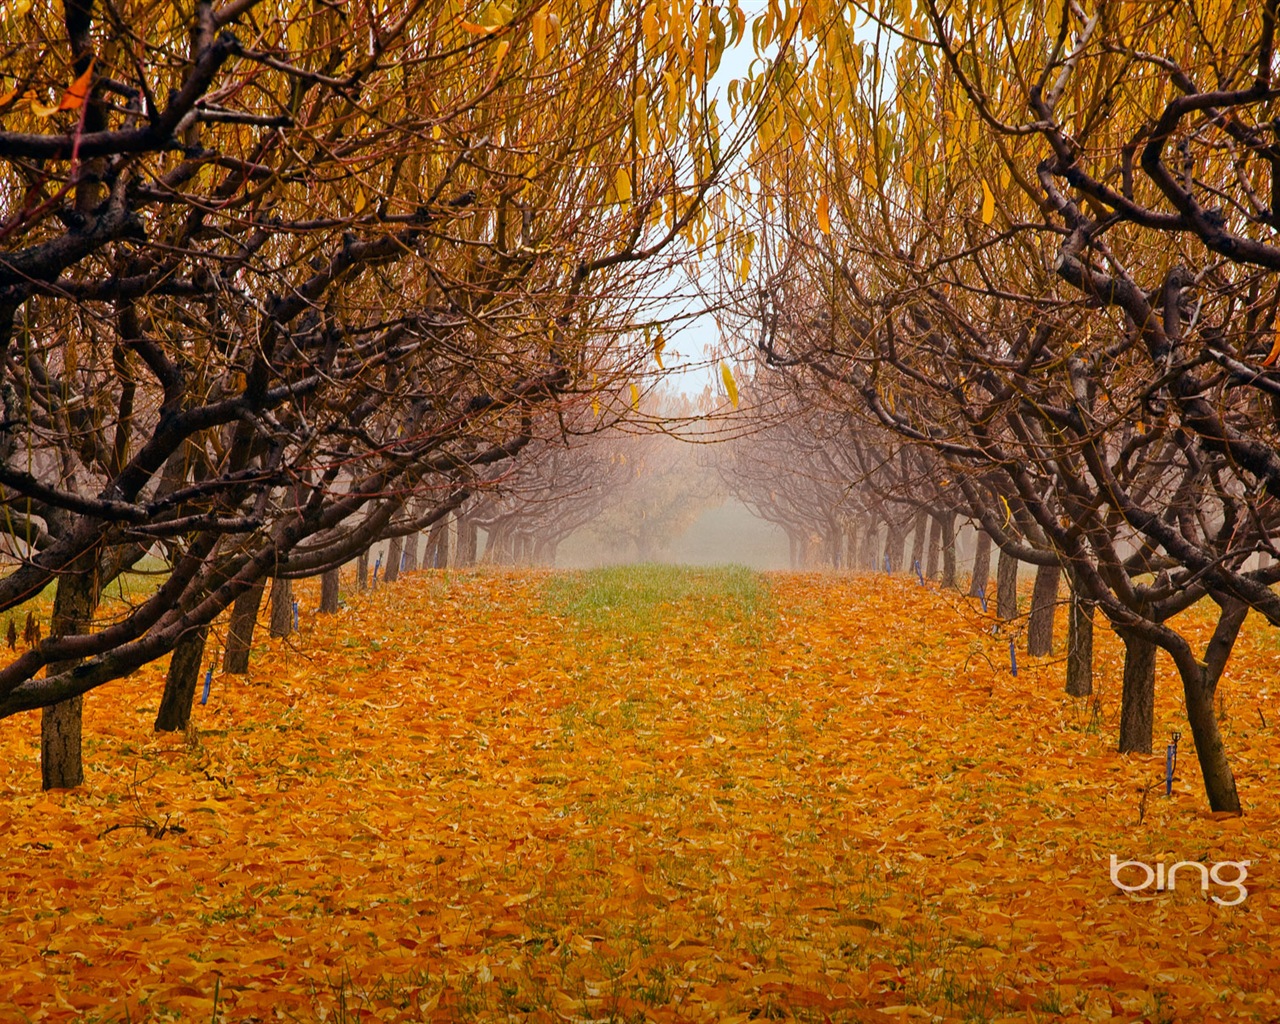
{"x": 886, "y": 564}
{"x": 376, "y": 566}
{"x": 208, "y": 682}
{"x": 916, "y": 566}
{"x": 982, "y": 596}
{"x": 1170, "y": 762}
{"x": 295, "y": 616}
{"x": 1013, "y": 657}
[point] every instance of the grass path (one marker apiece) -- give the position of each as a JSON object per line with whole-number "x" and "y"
{"x": 636, "y": 795}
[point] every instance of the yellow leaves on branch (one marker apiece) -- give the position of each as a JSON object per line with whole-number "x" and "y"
{"x": 622, "y": 185}
{"x": 72, "y": 99}
{"x": 824, "y": 215}
{"x": 1275, "y": 350}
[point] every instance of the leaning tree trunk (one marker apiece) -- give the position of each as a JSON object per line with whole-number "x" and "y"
{"x": 918, "y": 538}
{"x": 281, "y": 607}
{"x": 1138, "y": 695}
{"x": 981, "y": 565}
{"x": 1199, "y": 683}
{"x": 1044, "y": 604}
{"x": 181, "y": 681}
{"x": 950, "y": 577}
{"x": 935, "y": 547}
{"x": 61, "y": 762}
{"x": 362, "y": 571}
{"x": 394, "y": 552}
{"x": 1006, "y": 586}
{"x": 1080, "y": 647}
{"x": 329, "y": 583}
{"x": 411, "y": 552}
{"x": 244, "y": 619}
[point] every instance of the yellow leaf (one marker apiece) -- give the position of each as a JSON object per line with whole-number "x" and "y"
{"x": 1008, "y": 512}
{"x": 744, "y": 269}
{"x": 730, "y": 385}
{"x": 360, "y": 202}
{"x": 658, "y": 346}
{"x": 540, "y": 33}
{"x": 635, "y": 397}
{"x": 595, "y": 407}
{"x": 988, "y": 203}
{"x": 824, "y": 215}
{"x": 436, "y": 132}
{"x": 622, "y": 185}
{"x": 43, "y": 109}
{"x": 500, "y": 54}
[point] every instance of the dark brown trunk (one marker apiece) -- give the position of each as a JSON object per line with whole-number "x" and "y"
{"x": 1199, "y": 683}
{"x": 1138, "y": 695}
{"x": 391, "y": 571}
{"x": 894, "y": 546}
{"x": 61, "y": 761}
{"x": 281, "y": 608}
{"x": 980, "y": 578}
{"x": 362, "y": 571}
{"x": 935, "y": 547}
{"x": 329, "y": 584}
{"x": 411, "y": 553}
{"x": 244, "y": 619}
{"x": 950, "y": 576}
{"x": 181, "y": 680}
{"x": 1044, "y": 605}
{"x": 1080, "y": 647}
{"x": 1006, "y": 586}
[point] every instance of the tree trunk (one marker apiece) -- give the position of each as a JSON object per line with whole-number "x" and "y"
{"x": 917, "y": 539}
{"x": 181, "y": 681}
{"x": 894, "y": 546}
{"x": 244, "y": 619}
{"x": 1044, "y": 605}
{"x": 411, "y": 552}
{"x": 437, "y": 556}
{"x": 1080, "y": 647}
{"x": 853, "y": 547}
{"x": 1199, "y": 683}
{"x": 281, "y": 608}
{"x": 1006, "y": 587}
{"x": 74, "y": 601}
{"x": 935, "y": 547}
{"x": 950, "y": 577}
{"x": 1138, "y": 696}
{"x": 362, "y": 571}
{"x": 395, "y": 550}
{"x": 466, "y": 542}
{"x": 329, "y": 584}
{"x": 980, "y": 577}
{"x": 793, "y": 549}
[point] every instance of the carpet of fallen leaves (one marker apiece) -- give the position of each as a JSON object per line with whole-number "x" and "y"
{"x": 457, "y": 800}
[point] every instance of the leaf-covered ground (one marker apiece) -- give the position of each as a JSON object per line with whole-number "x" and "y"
{"x": 639, "y": 795}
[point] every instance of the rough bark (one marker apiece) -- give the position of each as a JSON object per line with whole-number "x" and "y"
{"x": 362, "y": 571}
{"x": 1080, "y": 647}
{"x": 411, "y": 553}
{"x": 935, "y": 547}
{"x": 979, "y": 579}
{"x": 61, "y": 761}
{"x": 950, "y": 574}
{"x": 181, "y": 681}
{"x": 1044, "y": 605}
{"x": 391, "y": 570}
{"x": 1200, "y": 682}
{"x": 1138, "y": 695}
{"x": 244, "y": 619}
{"x": 895, "y": 545}
{"x": 281, "y": 608}
{"x": 329, "y": 584}
{"x": 1006, "y": 586}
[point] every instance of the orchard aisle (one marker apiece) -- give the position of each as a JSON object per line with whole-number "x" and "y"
{"x": 642, "y": 794}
